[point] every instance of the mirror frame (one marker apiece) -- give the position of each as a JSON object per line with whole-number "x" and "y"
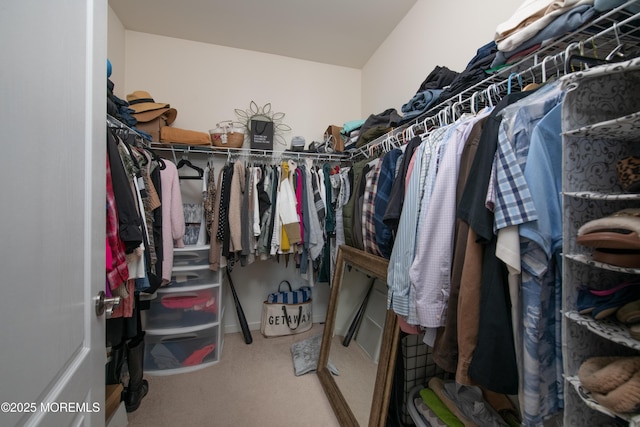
{"x": 374, "y": 266}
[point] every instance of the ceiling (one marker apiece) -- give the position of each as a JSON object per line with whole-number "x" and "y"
{"x": 336, "y": 32}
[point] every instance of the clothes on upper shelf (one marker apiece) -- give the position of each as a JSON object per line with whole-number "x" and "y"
{"x": 561, "y": 25}
{"x": 531, "y": 17}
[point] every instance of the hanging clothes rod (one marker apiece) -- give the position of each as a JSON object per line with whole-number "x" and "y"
{"x": 117, "y": 124}
{"x": 250, "y": 152}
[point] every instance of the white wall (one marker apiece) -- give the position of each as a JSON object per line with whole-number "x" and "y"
{"x": 206, "y": 83}
{"x": 444, "y": 33}
{"x": 115, "y": 53}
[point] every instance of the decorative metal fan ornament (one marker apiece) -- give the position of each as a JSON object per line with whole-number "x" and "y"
{"x": 264, "y": 114}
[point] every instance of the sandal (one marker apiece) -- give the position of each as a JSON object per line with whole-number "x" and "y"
{"x": 629, "y": 313}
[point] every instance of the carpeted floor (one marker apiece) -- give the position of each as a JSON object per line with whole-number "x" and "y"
{"x": 252, "y": 385}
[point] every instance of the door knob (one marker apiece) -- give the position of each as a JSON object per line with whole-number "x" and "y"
{"x": 104, "y": 304}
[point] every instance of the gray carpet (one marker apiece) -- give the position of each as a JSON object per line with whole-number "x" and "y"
{"x": 305, "y": 354}
{"x": 252, "y": 385}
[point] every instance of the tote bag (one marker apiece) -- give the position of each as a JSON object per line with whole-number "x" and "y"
{"x": 286, "y": 312}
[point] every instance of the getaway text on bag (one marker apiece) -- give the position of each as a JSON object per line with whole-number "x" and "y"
{"x": 293, "y": 319}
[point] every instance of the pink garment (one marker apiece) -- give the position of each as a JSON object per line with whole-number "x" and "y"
{"x": 173, "y": 226}
{"x": 107, "y": 252}
{"x": 109, "y": 262}
{"x": 198, "y": 356}
{"x": 299, "y": 202}
{"x": 201, "y": 301}
{"x": 116, "y": 261}
{"x": 125, "y": 308}
{"x": 408, "y": 328}
{"x": 412, "y": 162}
{"x": 605, "y": 292}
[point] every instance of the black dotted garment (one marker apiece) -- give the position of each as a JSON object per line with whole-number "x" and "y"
{"x": 223, "y": 224}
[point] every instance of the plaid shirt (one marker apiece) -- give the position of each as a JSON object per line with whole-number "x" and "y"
{"x": 368, "y": 223}
{"x": 117, "y": 272}
{"x": 383, "y": 234}
{"x": 514, "y": 205}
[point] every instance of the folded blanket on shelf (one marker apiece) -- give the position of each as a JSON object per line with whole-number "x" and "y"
{"x": 169, "y": 134}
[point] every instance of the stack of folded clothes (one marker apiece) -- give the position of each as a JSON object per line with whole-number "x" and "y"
{"x": 446, "y": 403}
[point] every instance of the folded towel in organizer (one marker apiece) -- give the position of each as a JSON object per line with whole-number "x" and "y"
{"x": 169, "y": 134}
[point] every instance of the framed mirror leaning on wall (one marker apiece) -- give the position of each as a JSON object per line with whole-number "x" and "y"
{"x": 370, "y": 353}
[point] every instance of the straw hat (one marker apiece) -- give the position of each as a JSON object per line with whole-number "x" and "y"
{"x": 146, "y": 109}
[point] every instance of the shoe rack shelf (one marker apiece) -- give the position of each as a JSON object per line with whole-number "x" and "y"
{"x": 589, "y": 401}
{"x": 184, "y": 322}
{"x": 607, "y": 328}
{"x": 587, "y": 260}
{"x": 601, "y": 124}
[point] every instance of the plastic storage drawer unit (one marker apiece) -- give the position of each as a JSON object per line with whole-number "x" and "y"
{"x": 191, "y": 256}
{"x": 192, "y": 278}
{"x": 181, "y": 352}
{"x": 183, "y": 309}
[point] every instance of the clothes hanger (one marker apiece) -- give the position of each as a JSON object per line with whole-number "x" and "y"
{"x": 185, "y": 162}
{"x": 509, "y": 82}
{"x": 533, "y": 85}
{"x": 617, "y": 51}
{"x": 441, "y": 118}
{"x": 472, "y": 103}
{"x": 567, "y": 54}
{"x": 454, "y": 109}
{"x": 487, "y": 91}
{"x": 544, "y": 68}
{"x": 159, "y": 160}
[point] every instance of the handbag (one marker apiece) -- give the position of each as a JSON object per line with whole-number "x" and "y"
{"x": 262, "y": 133}
{"x": 333, "y": 139}
{"x": 225, "y": 135}
{"x": 287, "y": 312}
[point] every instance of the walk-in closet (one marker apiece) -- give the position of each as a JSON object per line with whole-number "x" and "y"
{"x": 335, "y": 214}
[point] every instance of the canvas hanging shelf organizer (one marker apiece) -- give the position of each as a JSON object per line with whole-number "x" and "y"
{"x": 264, "y": 126}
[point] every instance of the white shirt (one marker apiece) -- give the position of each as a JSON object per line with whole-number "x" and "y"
{"x": 430, "y": 271}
